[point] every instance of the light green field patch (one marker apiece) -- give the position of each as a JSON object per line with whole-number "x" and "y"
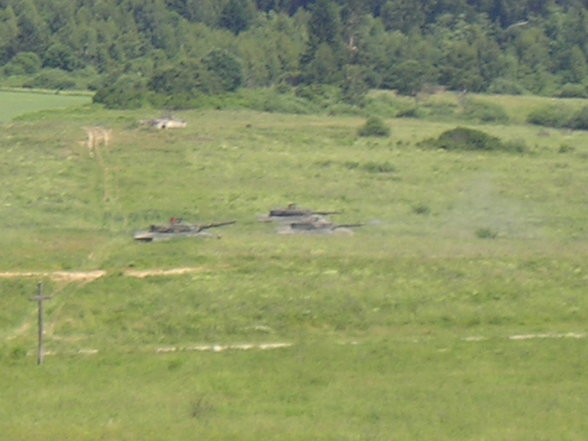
{"x": 15, "y": 103}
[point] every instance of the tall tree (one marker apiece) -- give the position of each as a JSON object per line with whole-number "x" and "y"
{"x": 8, "y": 34}
{"x": 402, "y": 15}
{"x": 237, "y": 15}
{"x": 324, "y": 55}
{"x": 33, "y": 32}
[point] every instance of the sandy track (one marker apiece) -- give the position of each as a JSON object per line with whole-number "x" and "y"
{"x": 73, "y": 276}
{"x": 90, "y": 276}
{"x": 141, "y": 274}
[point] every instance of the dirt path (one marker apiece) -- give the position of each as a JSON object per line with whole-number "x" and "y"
{"x": 90, "y": 276}
{"x": 285, "y": 345}
{"x": 61, "y": 276}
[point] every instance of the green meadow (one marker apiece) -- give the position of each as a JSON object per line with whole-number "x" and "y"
{"x": 14, "y": 102}
{"x": 457, "y": 311}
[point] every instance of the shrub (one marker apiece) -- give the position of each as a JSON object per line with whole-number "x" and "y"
{"x": 389, "y": 106}
{"x": 378, "y": 167}
{"x": 484, "y": 112}
{"x": 550, "y": 116}
{"x": 421, "y": 209}
{"x": 51, "y": 79}
{"x": 486, "y": 233}
{"x": 439, "y": 110}
{"x": 515, "y": 145}
{"x": 409, "y": 112}
{"x": 463, "y": 138}
{"x": 503, "y": 86}
{"x": 579, "y": 120}
{"x": 127, "y": 92}
{"x": 573, "y": 90}
{"x": 58, "y": 56}
{"x": 320, "y": 94}
{"x": 374, "y": 126}
{"x": 23, "y": 63}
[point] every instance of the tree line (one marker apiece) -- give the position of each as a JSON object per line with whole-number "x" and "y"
{"x": 174, "y": 50}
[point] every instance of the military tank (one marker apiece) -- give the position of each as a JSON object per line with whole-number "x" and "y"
{"x": 176, "y": 228}
{"x": 292, "y": 213}
{"x": 317, "y": 224}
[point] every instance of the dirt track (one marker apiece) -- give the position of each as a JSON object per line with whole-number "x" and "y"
{"x": 90, "y": 276}
{"x": 73, "y": 276}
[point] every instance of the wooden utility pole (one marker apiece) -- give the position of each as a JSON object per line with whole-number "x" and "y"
{"x": 40, "y": 298}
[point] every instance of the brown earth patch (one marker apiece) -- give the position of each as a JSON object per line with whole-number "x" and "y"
{"x": 68, "y": 276}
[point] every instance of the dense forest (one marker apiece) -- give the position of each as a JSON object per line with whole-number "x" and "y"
{"x": 171, "y": 51}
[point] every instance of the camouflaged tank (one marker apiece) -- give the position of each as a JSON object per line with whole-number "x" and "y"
{"x": 176, "y": 228}
{"x": 292, "y": 213}
{"x": 317, "y": 224}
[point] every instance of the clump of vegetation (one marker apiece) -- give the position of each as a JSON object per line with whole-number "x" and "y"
{"x": 486, "y": 233}
{"x": 388, "y": 105}
{"x": 370, "y": 167}
{"x": 560, "y": 117}
{"x": 421, "y": 209}
{"x": 439, "y": 110}
{"x": 22, "y": 63}
{"x": 573, "y": 90}
{"x": 51, "y": 79}
{"x": 351, "y": 165}
{"x": 550, "y": 116}
{"x": 374, "y": 126}
{"x": 484, "y": 112}
{"x": 378, "y": 167}
{"x": 128, "y": 92}
{"x": 505, "y": 86}
{"x": 464, "y": 139}
{"x": 409, "y": 112}
{"x": 579, "y": 120}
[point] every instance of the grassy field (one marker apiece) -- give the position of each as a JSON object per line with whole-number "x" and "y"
{"x": 457, "y": 312}
{"x": 17, "y": 102}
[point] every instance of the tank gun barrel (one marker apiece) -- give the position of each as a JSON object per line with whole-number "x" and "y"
{"x": 348, "y": 226}
{"x": 214, "y": 225}
{"x": 289, "y": 212}
{"x": 326, "y": 213}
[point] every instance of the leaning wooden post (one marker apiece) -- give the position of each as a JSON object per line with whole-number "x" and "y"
{"x": 40, "y": 298}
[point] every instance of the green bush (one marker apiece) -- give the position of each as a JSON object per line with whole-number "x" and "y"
{"x": 409, "y": 112}
{"x": 463, "y": 138}
{"x": 515, "y": 145}
{"x": 320, "y": 94}
{"x": 23, "y": 63}
{"x": 59, "y": 56}
{"x": 484, "y": 112}
{"x": 51, "y": 79}
{"x": 388, "y": 106}
{"x": 550, "y": 116}
{"x": 566, "y": 148}
{"x": 579, "y": 120}
{"x": 127, "y": 92}
{"x": 378, "y": 167}
{"x": 559, "y": 116}
{"x": 466, "y": 139}
{"x": 421, "y": 208}
{"x": 374, "y": 126}
{"x": 573, "y": 90}
{"x": 439, "y": 110}
{"x": 486, "y": 233}
{"x": 503, "y": 86}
